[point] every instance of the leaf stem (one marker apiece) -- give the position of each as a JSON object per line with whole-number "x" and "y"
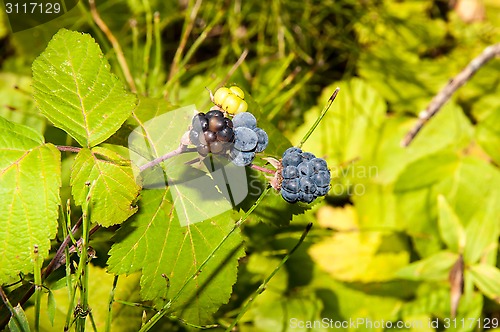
{"x": 116, "y": 45}
{"x": 318, "y": 120}
{"x": 167, "y": 306}
{"x": 263, "y": 286}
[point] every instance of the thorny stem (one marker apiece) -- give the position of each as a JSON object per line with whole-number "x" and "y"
{"x": 181, "y": 149}
{"x": 82, "y": 276}
{"x": 442, "y": 97}
{"x": 38, "y": 286}
{"x": 116, "y": 45}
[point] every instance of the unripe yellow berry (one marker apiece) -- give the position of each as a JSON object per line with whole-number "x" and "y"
{"x": 237, "y": 91}
{"x": 231, "y": 103}
{"x": 220, "y": 95}
{"x": 242, "y": 107}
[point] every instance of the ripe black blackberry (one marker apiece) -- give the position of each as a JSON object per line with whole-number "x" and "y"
{"x": 211, "y": 132}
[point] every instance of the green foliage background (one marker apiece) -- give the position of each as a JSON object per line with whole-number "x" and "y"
{"x": 384, "y": 241}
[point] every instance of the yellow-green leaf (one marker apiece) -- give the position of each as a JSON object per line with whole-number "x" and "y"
{"x": 30, "y": 177}
{"x": 115, "y": 190}
{"x": 75, "y": 89}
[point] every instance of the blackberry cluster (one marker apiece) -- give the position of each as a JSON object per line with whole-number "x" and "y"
{"x": 248, "y": 139}
{"x": 211, "y": 132}
{"x": 305, "y": 177}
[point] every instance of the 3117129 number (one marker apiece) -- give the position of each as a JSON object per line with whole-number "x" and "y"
{"x": 33, "y": 8}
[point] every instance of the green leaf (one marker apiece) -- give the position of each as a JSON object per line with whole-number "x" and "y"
{"x": 349, "y": 129}
{"x": 373, "y": 257}
{"x": 75, "y": 89}
{"x": 342, "y": 301}
{"x": 487, "y": 279}
{"x": 21, "y": 319}
{"x": 469, "y": 185}
{"x": 155, "y": 242}
{"x": 116, "y": 189}
{"x": 294, "y": 310}
{"x": 17, "y": 103}
{"x": 488, "y": 134}
{"x": 436, "y": 267}
{"x": 427, "y": 171}
{"x": 51, "y": 307}
{"x": 483, "y": 231}
{"x": 450, "y": 228}
{"x": 30, "y": 177}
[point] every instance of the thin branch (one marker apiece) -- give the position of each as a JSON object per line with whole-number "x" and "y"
{"x": 318, "y": 120}
{"x": 191, "y": 14}
{"x": 236, "y": 65}
{"x": 442, "y": 97}
{"x": 68, "y": 148}
{"x": 182, "y": 148}
{"x": 56, "y": 260}
{"x": 17, "y": 318}
{"x": 54, "y": 263}
{"x": 116, "y": 45}
{"x": 263, "y": 169}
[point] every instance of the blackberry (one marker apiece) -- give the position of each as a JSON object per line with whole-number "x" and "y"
{"x": 247, "y": 138}
{"x": 211, "y": 132}
{"x": 305, "y": 177}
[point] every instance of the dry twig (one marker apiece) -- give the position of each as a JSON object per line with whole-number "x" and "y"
{"x": 442, "y": 97}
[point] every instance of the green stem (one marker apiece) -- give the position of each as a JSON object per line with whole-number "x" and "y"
{"x": 190, "y": 17}
{"x": 38, "y": 286}
{"x": 110, "y": 304}
{"x": 318, "y": 120}
{"x": 67, "y": 231}
{"x": 167, "y": 306}
{"x": 153, "y": 89}
{"x": 149, "y": 42}
{"x": 82, "y": 273}
{"x": 181, "y": 65}
{"x": 263, "y": 286}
